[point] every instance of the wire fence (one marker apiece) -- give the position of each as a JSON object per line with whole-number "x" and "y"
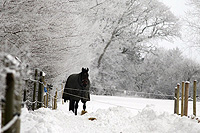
{"x": 145, "y": 93}
{"x": 122, "y": 91}
{"x": 9, "y": 124}
{"x": 117, "y": 105}
{"x": 11, "y": 103}
{"x": 44, "y": 95}
{"x": 77, "y": 96}
{"x": 28, "y": 101}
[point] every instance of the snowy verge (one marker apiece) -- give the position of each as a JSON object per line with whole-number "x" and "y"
{"x": 110, "y": 119}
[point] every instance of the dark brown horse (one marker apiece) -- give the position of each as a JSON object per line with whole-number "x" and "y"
{"x": 76, "y": 89}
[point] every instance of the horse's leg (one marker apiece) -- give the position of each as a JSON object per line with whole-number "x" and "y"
{"x": 76, "y": 107}
{"x": 71, "y": 105}
{"x": 84, "y": 106}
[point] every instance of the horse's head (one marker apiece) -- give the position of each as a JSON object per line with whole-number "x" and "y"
{"x": 84, "y": 77}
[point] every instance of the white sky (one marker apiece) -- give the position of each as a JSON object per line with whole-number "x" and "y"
{"x": 179, "y": 8}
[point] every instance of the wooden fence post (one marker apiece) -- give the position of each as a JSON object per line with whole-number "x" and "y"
{"x": 2, "y": 112}
{"x": 175, "y": 101}
{"x": 55, "y": 100}
{"x": 34, "y": 89}
{"x": 182, "y": 98}
{"x": 17, "y": 106}
{"x": 9, "y": 105}
{"x": 40, "y": 90}
{"x": 187, "y": 83}
{"x": 62, "y": 93}
{"x": 47, "y": 96}
{"x": 12, "y": 103}
{"x": 43, "y": 85}
{"x": 45, "y": 101}
{"x": 24, "y": 98}
{"x": 194, "y": 97}
{"x": 52, "y": 102}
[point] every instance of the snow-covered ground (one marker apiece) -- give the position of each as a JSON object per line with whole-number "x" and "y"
{"x": 113, "y": 115}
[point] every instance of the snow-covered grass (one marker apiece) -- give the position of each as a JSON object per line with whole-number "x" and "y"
{"x": 114, "y": 115}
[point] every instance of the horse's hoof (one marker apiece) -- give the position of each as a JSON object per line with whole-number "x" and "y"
{"x": 92, "y": 118}
{"x": 83, "y": 112}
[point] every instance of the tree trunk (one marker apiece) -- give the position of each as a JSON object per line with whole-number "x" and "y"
{"x": 105, "y": 48}
{"x": 102, "y": 54}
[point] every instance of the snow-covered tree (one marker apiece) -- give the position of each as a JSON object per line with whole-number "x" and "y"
{"x": 132, "y": 22}
{"x": 126, "y": 34}
{"x": 49, "y": 35}
{"x": 164, "y": 69}
{"x": 157, "y": 72}
{"x": 14, "y": 33}
{"x": 192, "y": 23}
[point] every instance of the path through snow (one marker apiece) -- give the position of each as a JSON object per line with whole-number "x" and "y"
{"x": 135, "y": 115}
